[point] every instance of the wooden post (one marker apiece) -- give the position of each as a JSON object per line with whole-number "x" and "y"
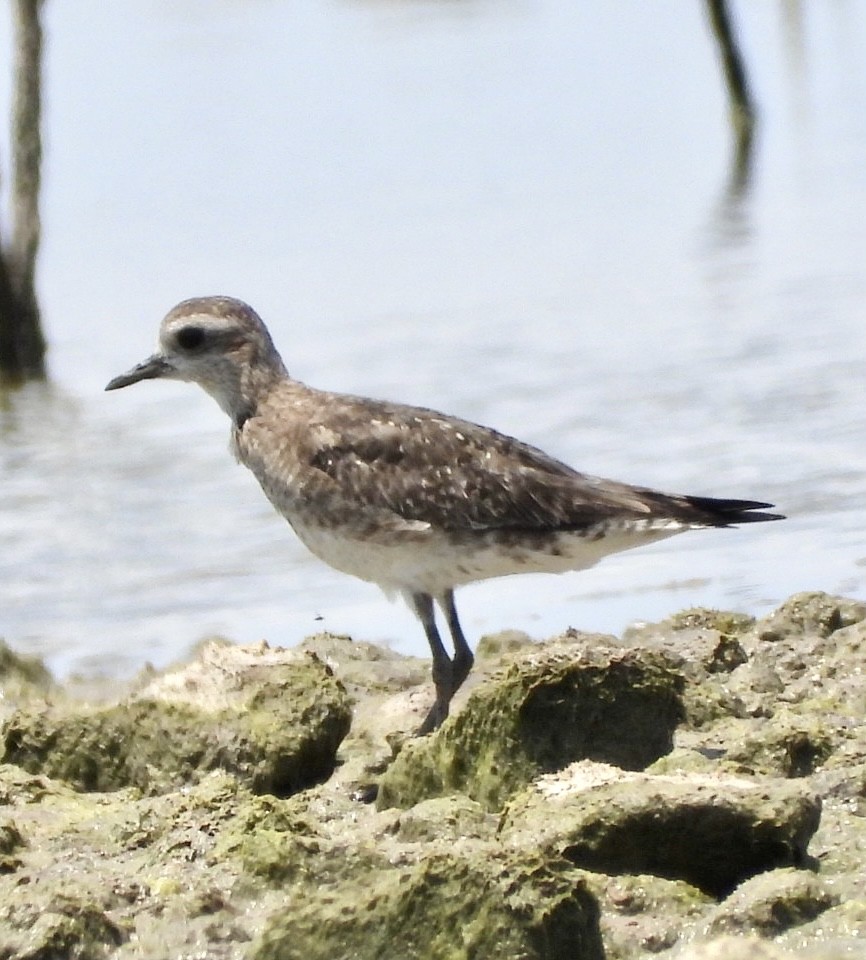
{"x": 22, "y": 344}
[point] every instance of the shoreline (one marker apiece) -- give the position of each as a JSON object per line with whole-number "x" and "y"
{"x": 696, "y": 788}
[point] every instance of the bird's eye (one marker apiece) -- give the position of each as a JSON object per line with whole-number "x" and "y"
{"x": 188, "y": 338}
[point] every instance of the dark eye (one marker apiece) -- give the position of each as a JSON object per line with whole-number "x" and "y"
{"x": 188, "y": 338}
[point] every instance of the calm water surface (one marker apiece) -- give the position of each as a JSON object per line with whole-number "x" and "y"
{"x": 518, "y": 212}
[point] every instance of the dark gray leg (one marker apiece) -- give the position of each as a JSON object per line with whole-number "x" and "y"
{"x": 443, "y": 668}
{"x": 463, "y": 658}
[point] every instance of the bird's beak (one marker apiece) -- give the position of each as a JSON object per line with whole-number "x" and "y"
{"x": 150, "y": 369}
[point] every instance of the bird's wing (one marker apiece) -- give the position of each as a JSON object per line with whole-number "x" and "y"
{"x": 454, "y": 474}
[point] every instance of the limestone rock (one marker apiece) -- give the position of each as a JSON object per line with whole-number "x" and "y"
{"x": 273, "y": 717}
{"x": 771, "y": 903}
{"x": 712, "y": 832}
{"x": 818, "y": 614}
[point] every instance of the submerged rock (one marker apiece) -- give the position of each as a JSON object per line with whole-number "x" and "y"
{"x": 558, "y": 703}
{"x": 274, "y": 718}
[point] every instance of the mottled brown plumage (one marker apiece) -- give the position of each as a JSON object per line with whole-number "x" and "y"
{"x": 410, "y": 499}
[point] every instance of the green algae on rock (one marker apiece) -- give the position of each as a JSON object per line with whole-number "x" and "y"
{"x": 274, "y": 718}
{"x": 445, "y": 907}
{"x": 99, "y": 869}
{"x": 207, "y": 866}
{"x": 555, "y": 704}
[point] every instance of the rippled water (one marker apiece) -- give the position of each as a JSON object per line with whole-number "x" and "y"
{"x": 517, "y": 212}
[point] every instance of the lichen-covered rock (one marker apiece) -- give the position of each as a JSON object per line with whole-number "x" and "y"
{"x": 447, "y": 907}
{"x": 104, "y": 875}
{"x": 285, "y": 843}
{"x": 555, "y": 704}
{"x": 366, "y": 667}
{"x": 712, "y": 832}
{"x": 792, "y": 664}
{"x": 272, "y": 717}
{"x": 390, "y": 696}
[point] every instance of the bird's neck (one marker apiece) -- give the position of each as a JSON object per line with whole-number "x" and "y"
{"x": 241, "y": 394}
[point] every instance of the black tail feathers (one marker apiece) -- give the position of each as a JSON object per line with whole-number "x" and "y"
{"x": 723, "y": 512}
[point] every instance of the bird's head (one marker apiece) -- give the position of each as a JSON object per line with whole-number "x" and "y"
{"x": 219, "y": 343}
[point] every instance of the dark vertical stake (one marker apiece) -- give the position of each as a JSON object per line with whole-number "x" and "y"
{"x": 736, "y": 80}
{"x": 22, "y": 344}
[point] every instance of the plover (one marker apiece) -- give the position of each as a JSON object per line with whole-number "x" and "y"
{"x": 413, "y": 500}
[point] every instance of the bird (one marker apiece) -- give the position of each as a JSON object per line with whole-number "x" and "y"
{"x": 415, "y": 501}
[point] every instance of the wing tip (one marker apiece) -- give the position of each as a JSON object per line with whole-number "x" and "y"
{"x": 729, "y": 512}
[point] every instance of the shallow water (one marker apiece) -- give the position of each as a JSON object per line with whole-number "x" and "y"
{"x": 521, "y": 213}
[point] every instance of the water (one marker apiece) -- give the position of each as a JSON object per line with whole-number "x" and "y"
{"x": 518, "y": 212}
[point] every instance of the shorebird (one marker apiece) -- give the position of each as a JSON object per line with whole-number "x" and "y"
{"x": 410, "y": 499}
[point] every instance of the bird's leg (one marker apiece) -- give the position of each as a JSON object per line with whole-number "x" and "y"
{"x": 443, "y": 668}
{"x": 463, "y": 658}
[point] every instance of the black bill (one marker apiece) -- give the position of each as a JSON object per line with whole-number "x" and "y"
{"x": 150, "y": 369}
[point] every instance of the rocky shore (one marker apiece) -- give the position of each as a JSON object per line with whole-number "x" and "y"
{"x": 695, "y": 789}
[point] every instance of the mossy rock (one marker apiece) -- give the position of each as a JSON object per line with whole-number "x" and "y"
{"x": 450, "y": 906}
{"x": 274, "y": 719}
{"x": 548, "y": 708}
